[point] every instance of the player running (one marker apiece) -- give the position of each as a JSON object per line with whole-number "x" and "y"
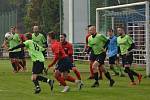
{"x": 35, "y": 51}
{"x": 98, "y": 43}
{"x": 92, "y": 58}
{"x": 63, "y": 65}
{"x": 126, "y": 46}
{"x": 69, "y": 51}
{"x": 113, "y": 53}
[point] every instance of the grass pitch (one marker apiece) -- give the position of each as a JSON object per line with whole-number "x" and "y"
{"x": 19, "y": 86}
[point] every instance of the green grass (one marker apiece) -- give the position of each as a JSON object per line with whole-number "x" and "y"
{"x": 19, "y": 87}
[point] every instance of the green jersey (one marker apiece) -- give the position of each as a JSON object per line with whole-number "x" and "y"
{"x": 40, "y": 39}
{"x": 97, "y": 43}
{"x": 124, "y": 43}
{"x": 14, "y": 42}
{"x": 35, "y": 51}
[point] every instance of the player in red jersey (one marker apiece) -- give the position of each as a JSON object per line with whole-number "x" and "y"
{"x": 92, "y": 59}
{"x": 22, "y": 52}
{"x": 69, "y": 51}
{"x": 63, "y": 65}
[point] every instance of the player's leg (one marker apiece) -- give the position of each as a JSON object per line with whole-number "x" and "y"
{"x": 13, "y": 60}
{"x": 107, "y": 74}
{"x": 129, "y": 60}
{"x": 22, "y": 60}
{"x": 38, "y": 69}
{"x": 100, "y": 73}
{"x": 92, "y": 59}
{"x": 36, "y": 83}
{"x": 112, "y": 63}
{"x": 100, "y": 61}
{"x": 67, "y": 65}
{"x": 120, "y": 68}
{"x": 76, "y": 71}
{"x": 95, "y": 66}
{"x": 127, "y": 70}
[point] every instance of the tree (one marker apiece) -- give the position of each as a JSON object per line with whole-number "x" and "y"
{"x": 44, "y": 13}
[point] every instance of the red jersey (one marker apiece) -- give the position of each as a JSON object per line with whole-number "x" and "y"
{"x": 87, "y": 36}
{"x": 68, "y": 49}
{"x": 57, "y": 51}
{"x": 22, "y": 37}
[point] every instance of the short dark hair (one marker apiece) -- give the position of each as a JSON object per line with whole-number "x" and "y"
{"x": 52, "y": 34}
{"x": 89, "y": 26}
{"x": 110, "y": 30}
{"x": 121, "y": 27}
{"x": 64, "y": 35}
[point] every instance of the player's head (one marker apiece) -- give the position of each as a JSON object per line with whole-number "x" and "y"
{"x": 92, "y": 30}
{"x": 35, "y": 29}
{"x": 110, "y": 32}
{"x": 16, "y": 29}
{"x": 120, "y": 31}
{"x": 51, "y": 36}
{"x": 28, "y": 36}
{"x": 63, "y": 37}
{"x": 87, "y": 27}
{"x": 12, "y": 29}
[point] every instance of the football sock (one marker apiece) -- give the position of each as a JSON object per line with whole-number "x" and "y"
{"x": 14, "y": 66}
{"x": 70, "y": 78}
{"x": 91, "y": 70}
{"x": 100, "y": 72}
{"x": 77, "y": 73}
{"x": 61, "y": 80}
{"x": 36, "y": 83}
{"x": 108, "y": 75}
{"x": 96, "y": 76}
{"x": 127, "y": 69}
{"x": 41, "y": 78}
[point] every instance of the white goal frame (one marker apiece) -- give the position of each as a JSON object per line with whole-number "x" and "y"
{"x": 147, "y": 26}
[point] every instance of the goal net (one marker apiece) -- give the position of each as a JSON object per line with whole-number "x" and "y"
{"x": 135, "y": 18}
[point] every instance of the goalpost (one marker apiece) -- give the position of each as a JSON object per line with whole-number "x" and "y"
{"x": 135, "y": 18}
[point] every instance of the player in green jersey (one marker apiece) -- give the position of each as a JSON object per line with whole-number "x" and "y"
{"x": 98, "y": 44}
{"x": 13, "y": 55}
{"x": 126, "y": 46}
{"x": 39, "y": 39}
{"x": 35, "y": 51}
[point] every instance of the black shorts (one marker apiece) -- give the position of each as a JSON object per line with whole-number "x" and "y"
{"x": 14, "y": 54}
{"x": 64, "y": 65}
{"x": 127, "y": 59}
{"x": 37, "y": 67}
{"x": 93, "y": 57}
{"x": 22, "y": 54}
{"x": 101, "y": 58}
{"x": 112, "y": 59}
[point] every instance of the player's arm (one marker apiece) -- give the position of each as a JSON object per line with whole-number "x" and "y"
{"x": 4, "y": 45}
{"x": 106, "y": 41}
{"x": 132, "y": 44}
{"x": 18, "y": 46}
{"x": 89, "y": 49}
{"x": 44, "y": 41}
{"x": 106, "y": 44}
{"x": 56, "y": 56}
